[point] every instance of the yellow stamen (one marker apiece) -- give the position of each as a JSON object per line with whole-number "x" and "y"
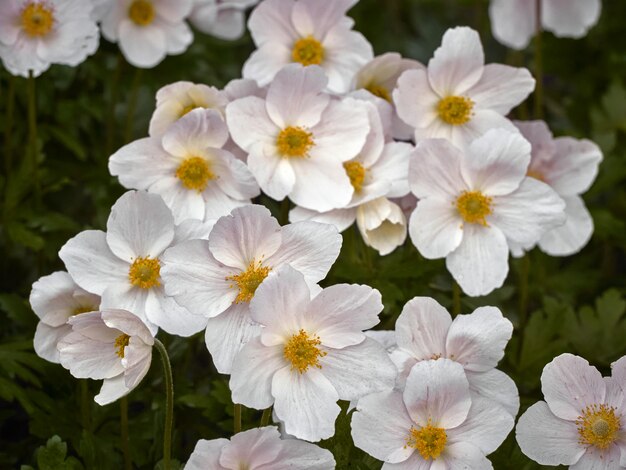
{"x": 79, "y": 310}
{"x": 141, "y": 12}
{"x": 294, "y": 142}
{"x": 195, "y": 173}
{"x": 356, "y": 173}
{"x": 598, "y": 426}
{"x": 537, "y": 175}
{"x": 37, "y": 19}
{"x": 308, "y": 51}
{"x": 248, "y": 281}
{"x": 187, "y": 109}
{"x": 120, "y": 343}
{"x": 303, "y": 352}
{"x": 145, "y": 272}
{"x": 474, "y": 207}
{"x": 429, "y": 440}
{"x": 380, "y": 91}
{"x": 455, "y": 110}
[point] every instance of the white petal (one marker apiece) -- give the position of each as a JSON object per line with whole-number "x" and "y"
{"x": 141, "y": 163}
{"x": 434, "y": 170}
{"x": 595, "y": 459}
{"x": 249, "y": 123}
{"x": 183, "y": 202}
{"x": 112, "y": 389}
{"x": 129, "y": 298}
{"x": 340, "y": 218}
{"x": 547, "y": 439}
{"x": 435, "y": 227}
{"x": 271, "y": 22}
{"x": 482, "y": 121}
{"x": 46, "y": 340}
{"x": 346, "y": 51}
{"x": 194, "y": 132}
{"x": 254, "y": 447}
{"x": 465, "y": 456}
{"x": 513, "y": 22}
{"x": 137, "y": 360}
{"x": 264, "y": 63}
{"x": 233, "y": 176}
{"x": 574, "y": 234}
{"x": 299, "y": 454}
{"x": 422, "y": 328}
{"x": 571, "y": 18}
{"x": 382, "y": 224}
{"x": 274, "y": 174}
{"x": 502, "y": 87}
{"x": 174, "y": 319}
{"x": 495, "y": 385}
{"x": 415, "y": 100}
{"x": 206, "y": 455}
{"x": 127, "y": 322}
{"x": 574, "y": 167}
{"x": 142, "y": 46}
{"x": 89, "y": 358}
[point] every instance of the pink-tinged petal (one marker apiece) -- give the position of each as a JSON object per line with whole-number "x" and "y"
{"x": 112, "y": 389}
{"x": 340, "y": 218}
{"x": 464, "y": 456}
{"x": 502, "y": 87}
{"x": 574, "y": 167}
{"x": 422, "y": 328}
{"x": 294, "y": 98}
{"x": 321, "y": 183}
{"x": 130, "y": 298}
{"x": 435, "y": 227}
{"x": 435, "y": 170}
{"x": 540, "y": 137}
{"x": 393, "y": 166}
{"x": 570, "y": 384}
{"x": 173, "y": 318}
{"x": 274, "y": 174}
{"x": 218, "y": 204}
{"x": 306, "y": 403}
{"x": 458, "y": 63}
{"x": 312, "y": 18}
{"x": 482, "y": 121}
{"x": 141, "y": 164}
{"x": 228, "y": 333}
{"x": 359, "y": 370}
{"x": 308, "y": 247}
{"x": 249, "y": 234}
{"x": 382, "y": 225}
{"x": 570, "y": 18}
{"x": 249, "y": 123}
{"x": 197, "y": 280}
{"x": 480, "y": 263}
{"x": 89, "y": 358}
{"x": 345, "y": 52}
{"x": 140, "y": 225}
{"x": 46, "y": 339}
{"x": 547, "y": 439}
{"x": 128, "y": 323}
{"x": 206, "y": 455}
{"x": 595, "y": 459}
{"x": 574, "y": 234}
{"x": 91, "y": 263}
{"x": 142, "y": 46}
{"x": 299, "y": 454}
{"x": 513, "y": 22}
{"x": 381, "y": 426}
{"x": 414, "y": 462}
{"x": 184, "y": 203}
{"x": 230, "y": 25}
{"x": 271, "y": 22}
{"x": 173, "y": 10}
{"x": 178, "y": 36}
{"x": 496, "y": 386}
{"x": 137, "y": 360}
{"x": 477, "y": 341}
{"x": 529, "y": 212}
{"x": 437, "y": 393}
{"x": 9, "y": 27}
{"x": 233, "y": 176}
{"x": 255, "y": 447}
{"x": 415, "y": 100}
{"x": 194, "y": 132}
{"x": 264, "y": 63}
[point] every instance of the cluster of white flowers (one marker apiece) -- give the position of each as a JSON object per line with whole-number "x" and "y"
{"x": 346, "y": 137}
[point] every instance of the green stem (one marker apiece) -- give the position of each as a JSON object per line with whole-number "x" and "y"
{"x": 169, "y": 403}
{"x": 8, "y": 127}
{"x": 237, "y": 418}
{"x": 124, "y": 432}
{"x": 132, "y": 105}
{"x": 32, "y": 135}
{"x": 538, "y": 65}
{"x": 267, "y": 415}
{"x": 456, "y": 298}
{"x": 523, "y": 291}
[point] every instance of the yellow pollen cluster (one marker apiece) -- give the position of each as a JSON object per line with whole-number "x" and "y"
{"x": 429, "y": 441}
{"x": 308, "y": 51}
{"x": 141, "y": 12}
{"x": 187, "y": 109}
{"x": 248, "y": 281}
{"x": 474, "y": 207}
{"x": 455, "y": 110}
{"x": 79, "y": 310}
{"x": 37, "y": 19}
{"x": 379, "y": 90}
{"x": 303, "y": 352}
{"x": 356, "y": 173}
{"x": 294, "y": 141}
{"x": 195, "y": 173}
{"x": 120, "y": 343}
{"x": 598, "y": 426}
{"x": 144, "y": 272}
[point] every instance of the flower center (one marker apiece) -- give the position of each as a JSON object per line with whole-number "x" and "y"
{"x": 248, "y": 281}
{"x": 120, "y": 343}
{"x": 195, "y": 173}
{"x": 294, "y": 142}
{"x": 380, "y": 91}
{"x": 474, "y": 207}
{"x": 455, "y": 110}
{"x": 144, "y": 272}
{"x": 141, "y": 12}
{"x": 37, "y": 19}
{"x": 303, "y": 352}
{"x": 537, "y": 175}
{"x": 187, "y": 109}
{"x": 598, "y": 426}
{"x": 308, "y": 51}
{"x": 79, "y": 310}
{"x": 356, "y": 173}
{"x": 429, "y": 440}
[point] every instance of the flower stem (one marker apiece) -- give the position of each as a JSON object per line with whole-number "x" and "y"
{"x": 132, "y": 105}
{"x": 169, "y": 403}
{"x": 237, "y": 418}
{"x": 124, "y": 432}
{"x": 267, "y": 415}
{"x": 32, "y": 135}
{"x": 523, "y": 290}
{"x": 456, "y": 298}
{"x": 538, "y": 111}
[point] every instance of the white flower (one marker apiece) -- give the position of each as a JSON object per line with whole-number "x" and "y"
{"x": 433, "y": 424}
{"x": 113, "y": 345}
{"x": 54, "y": 299}
{"x": 123, "y": 264}
{"x": 148, "y": 30}
{"x": 425, "y": 330}
{"x": 187, "y": 167}
{"x": 458, "y": 97}
{"x": 178, "y": 99}
{"x": 37, "y": 33}
{"x": 569, "y": 166}
{"x": 311, "y": 353}
{"x": 298, "y": 138}
{"x": 309, "y": 32}
{"x": 473, "y": 202}
{"x": 382, "y": 225}
{"x": 514, "y": 22}
{"x": 224, "y": 19}
{"x": 582, "y": 422}
{"x": 259, "y": 448}
{"x": 216, "y": 279}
